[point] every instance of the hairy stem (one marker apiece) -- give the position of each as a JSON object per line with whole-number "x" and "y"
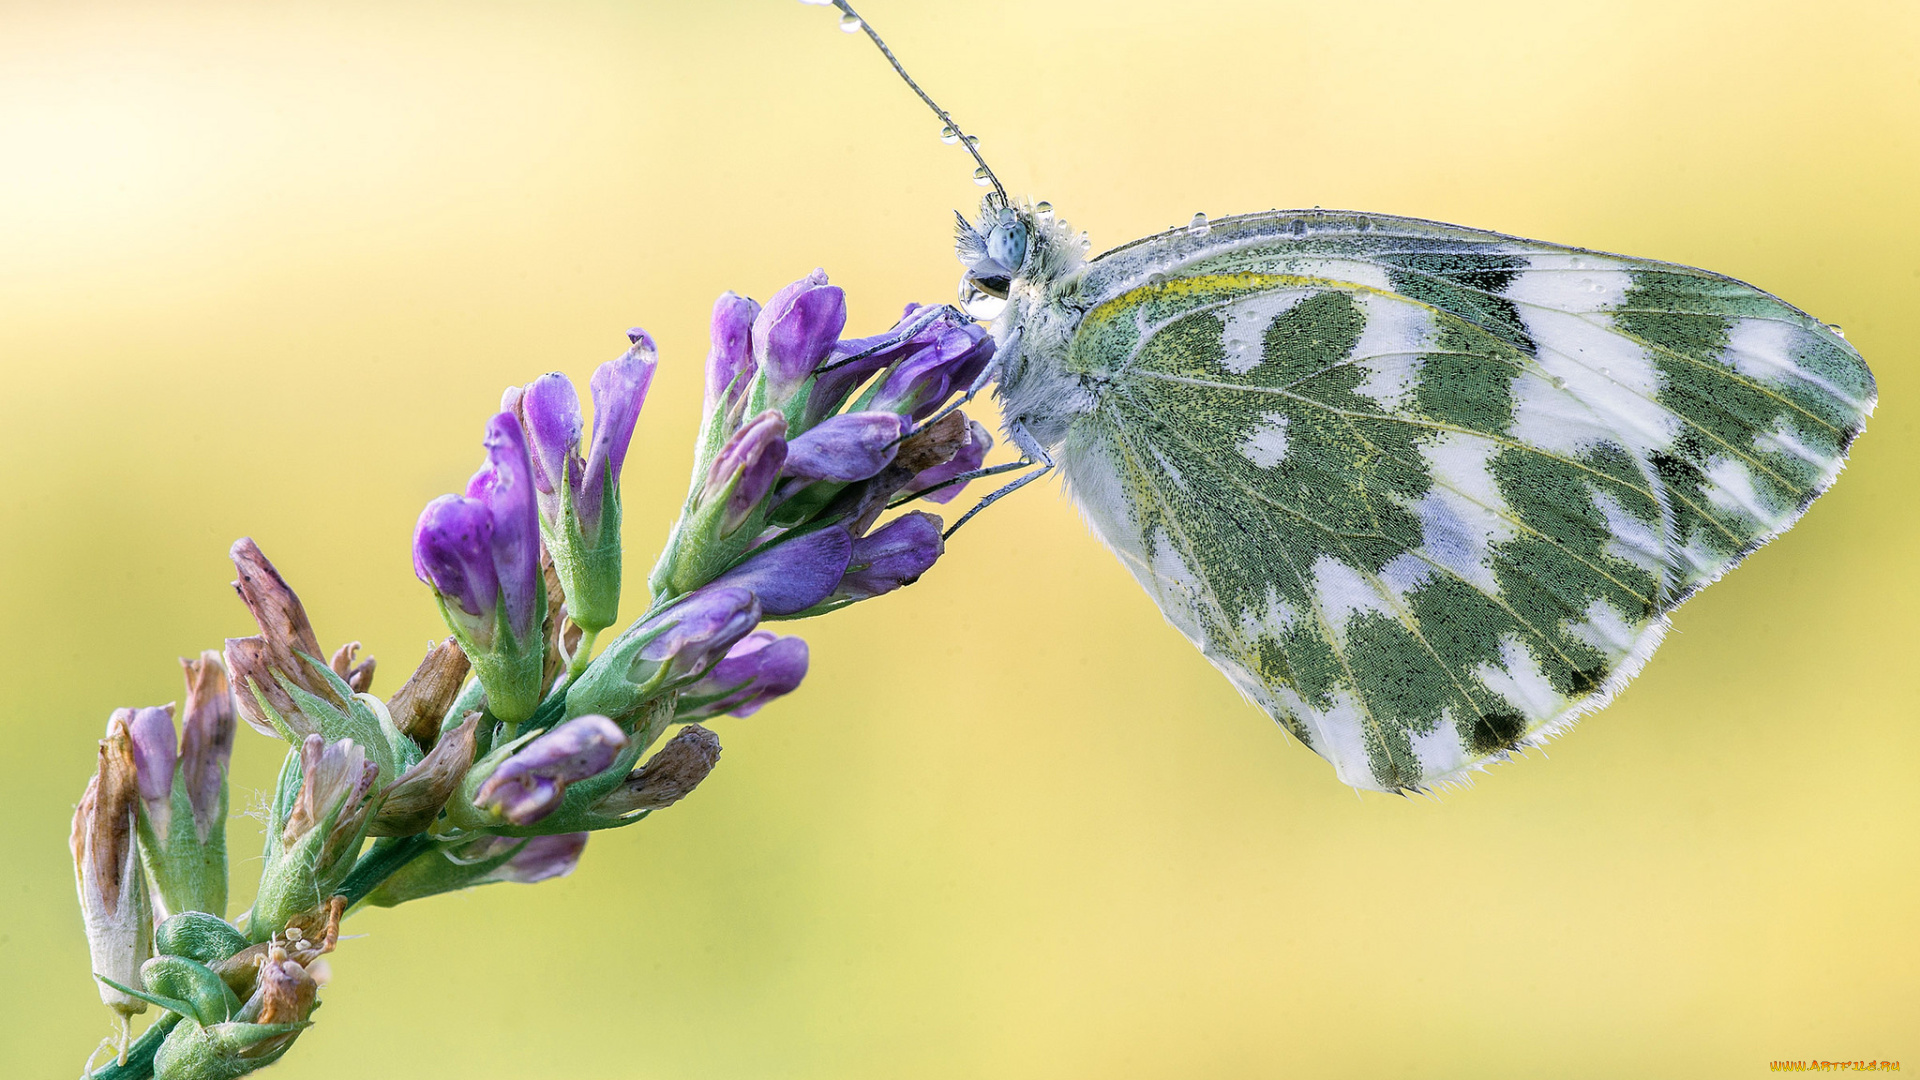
{"x": 386, "y": 858}
{"x": 139, "y": 1062}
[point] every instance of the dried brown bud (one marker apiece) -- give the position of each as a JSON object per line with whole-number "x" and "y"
{"x": 286, "y": 638}
{"x": 934, "y": 444}
{"x": 668, "y": 775}
{"x": 358, "y": 676}
{"x": 305, "y": 939}
{"x": 563, "y": 637}
{"x": 107, "y": 872}
{"x": 284, "y": 992}
{"x": 423, "y": 700}
{"x": 412, "y": 801}
{"x": 206, "y": 738}
{"x": 275, "y": 607}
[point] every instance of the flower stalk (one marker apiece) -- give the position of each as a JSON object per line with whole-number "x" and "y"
{"x": 512, "y": 743}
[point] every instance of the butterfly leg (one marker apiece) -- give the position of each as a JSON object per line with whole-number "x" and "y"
{"x": 1033, "y": 454}
{"x": 925, "y": 319}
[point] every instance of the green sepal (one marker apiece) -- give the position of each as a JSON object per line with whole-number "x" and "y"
{"x": 700, "y": 550}
{"x": 511, "y": 671}
{"x": 472, "y": 696}
{"x": 356, "y": 721}
{"x": 222, "y": 1051}
{"x": 293, "y": 881}
{"x": 589, "y": 571}
{"x": 192, "y": 982}
{"x": 807, "y": 505}
{"x": 189, "y": 870}
{"x": 199, "y": 936}
{"x": 613, "y": 686}
{"x": 171, "y": 1004}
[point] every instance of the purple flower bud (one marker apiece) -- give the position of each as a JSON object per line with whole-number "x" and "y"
{"x": 894, "y": 555}
{"x": 481, "y": 555}
{"x": 796, "y": 331}
{"x": 793, "y": 575}
{"x": 746, "y": 467}
{"x": 538, "y": 859}
{"x": 846, "y": 448}
{"x": 549, "y": 414}
{"x": 528, "y": 786}
{"x": 973, "y": 452}
{"x": 619, "y": 389}
{"x": 154, "y": 756}
{"x": 763, "y": 666}
{"x": 453, "y": 552}
{"x": 953, "y": 357}
{"x": 730, "y": 363}
{"x": 699, "y": 630}
{"x": 505, "y": 486}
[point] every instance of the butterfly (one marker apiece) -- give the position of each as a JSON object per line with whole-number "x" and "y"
{"x": 1426, "y": 494}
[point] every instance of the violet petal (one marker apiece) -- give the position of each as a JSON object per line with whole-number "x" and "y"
{"x": 730, "y": 363}
{"x": 793, "y": 575}
{"x": 893, "y": 555}
{"x": 846, "y": 448}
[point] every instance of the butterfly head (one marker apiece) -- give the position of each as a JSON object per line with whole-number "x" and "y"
{"x": 1008, "y": 243}
{"x": 993, "y": 249}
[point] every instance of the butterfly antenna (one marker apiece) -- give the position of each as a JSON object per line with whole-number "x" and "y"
{"x": 952, "y": 128}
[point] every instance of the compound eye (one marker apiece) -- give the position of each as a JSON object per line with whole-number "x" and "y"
{"x": 1007, "y": 245}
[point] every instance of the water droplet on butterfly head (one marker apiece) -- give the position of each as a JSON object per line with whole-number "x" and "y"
{"x": 980, "y": 305}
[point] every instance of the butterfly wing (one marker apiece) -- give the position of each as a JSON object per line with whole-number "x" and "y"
{"x": 1427, "y": 494}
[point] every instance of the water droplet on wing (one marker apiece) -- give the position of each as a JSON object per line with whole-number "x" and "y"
{"x": 1198, "y": 226}
{"x": 1837, "y": 332}
{"x": 1559, "y": 383}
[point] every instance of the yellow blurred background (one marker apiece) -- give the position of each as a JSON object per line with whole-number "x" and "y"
{"x": 265, "y": 267}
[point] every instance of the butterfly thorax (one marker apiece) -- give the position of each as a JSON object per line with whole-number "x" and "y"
{"x": 1023, "y": 267}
